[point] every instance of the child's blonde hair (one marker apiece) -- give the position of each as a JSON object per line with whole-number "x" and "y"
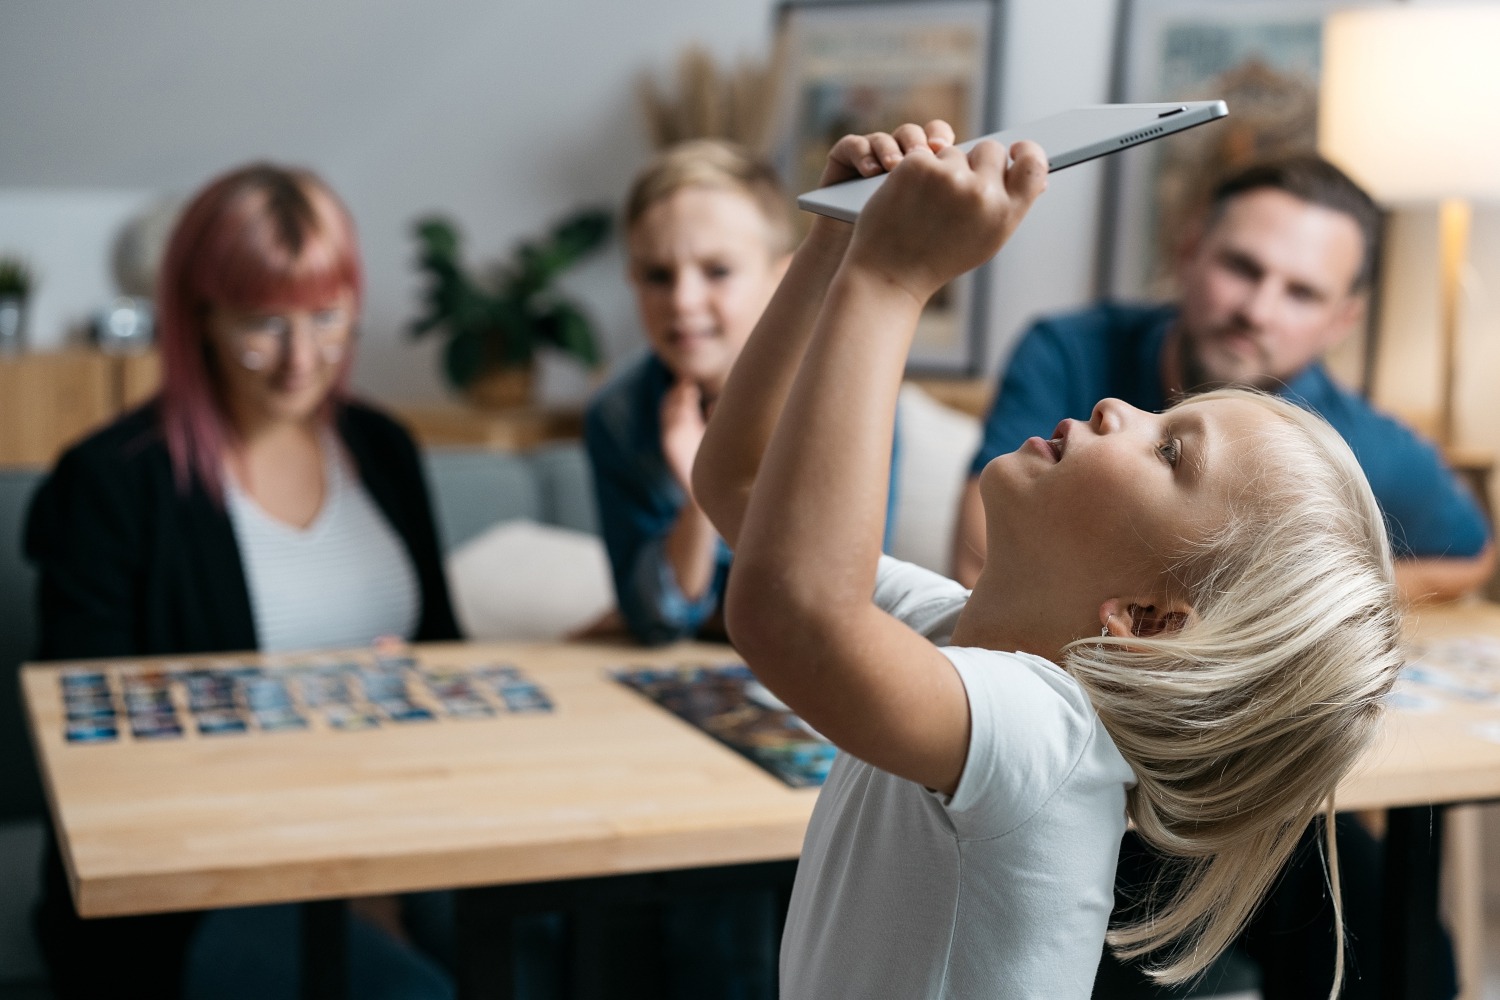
{"x": 1240, "y": 725}
{"x": 718, "y": 165}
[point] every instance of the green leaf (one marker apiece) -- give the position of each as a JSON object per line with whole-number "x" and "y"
{"x": 439, "y": 237}
{"x": 500, "y": 323}
{"x": 581, "y": 232}
{"x": 574, "y": 334}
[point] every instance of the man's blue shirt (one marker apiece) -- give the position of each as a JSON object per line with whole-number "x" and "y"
{"x": 639, "y": 500}
{"x": 1065, "y": 364}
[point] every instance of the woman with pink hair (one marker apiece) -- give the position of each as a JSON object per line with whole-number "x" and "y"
{"x": 252, "y": 504}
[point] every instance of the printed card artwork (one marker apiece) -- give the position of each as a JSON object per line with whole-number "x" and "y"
{"x": 727, "y": 702}
{"x": 230, "y": 698}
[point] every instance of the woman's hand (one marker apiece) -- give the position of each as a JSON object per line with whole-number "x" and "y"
{"x": 943, "y": 213}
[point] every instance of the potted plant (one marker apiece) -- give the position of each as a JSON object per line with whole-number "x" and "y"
{"x": 15, "y": 287}
{"x": 494, "y": 329}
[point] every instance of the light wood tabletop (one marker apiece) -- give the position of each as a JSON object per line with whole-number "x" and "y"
{"x": 1433, "y": 757}
{"x": 608, "y": 783}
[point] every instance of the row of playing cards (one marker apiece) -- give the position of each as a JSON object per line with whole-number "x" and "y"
{"x": 158, "y": 702}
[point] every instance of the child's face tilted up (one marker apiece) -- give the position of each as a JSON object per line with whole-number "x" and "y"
{"x": 1091, "y": 522}
{"x": 703, "y": 264}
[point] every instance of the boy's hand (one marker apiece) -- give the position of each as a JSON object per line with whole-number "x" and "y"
{"x": 943, "y": 213}
{"x": 682, "y": 427}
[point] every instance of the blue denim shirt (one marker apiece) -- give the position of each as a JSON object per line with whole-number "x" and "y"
{"x": 639, "y": 500}
{"x": 1063, "y": 365}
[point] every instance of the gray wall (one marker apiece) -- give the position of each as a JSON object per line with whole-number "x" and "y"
{"x": 503, "y": 114}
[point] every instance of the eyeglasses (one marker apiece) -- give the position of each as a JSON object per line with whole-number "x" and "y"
{"x": 262, "y": 339}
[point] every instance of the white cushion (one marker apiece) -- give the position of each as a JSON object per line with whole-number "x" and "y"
{"x": 521, "y": 581}
{"x": 937, "y": 445}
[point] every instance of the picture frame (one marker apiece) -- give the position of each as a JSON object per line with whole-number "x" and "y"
{"x": 1262, "y": 57}
{"x": 869, "y": 65}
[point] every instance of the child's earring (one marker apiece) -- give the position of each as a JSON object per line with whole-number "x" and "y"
{"x": 1104, "y": 632}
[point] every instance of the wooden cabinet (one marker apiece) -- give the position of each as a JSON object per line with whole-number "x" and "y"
{"x": 516, "y": 428}
{"x": 49, "y": 400}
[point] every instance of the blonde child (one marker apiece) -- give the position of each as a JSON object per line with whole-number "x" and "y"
{"x": 1189, "y": 621}
{"x": 709, "y": 234}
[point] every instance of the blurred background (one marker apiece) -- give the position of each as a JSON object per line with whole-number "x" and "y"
{"x": 503, "y": 116}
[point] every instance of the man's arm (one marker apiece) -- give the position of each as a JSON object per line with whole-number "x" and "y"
{"x": 1432, "y": 581}
{"x": 1439, "y": 532}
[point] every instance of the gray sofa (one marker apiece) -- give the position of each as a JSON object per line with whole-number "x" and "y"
{"x": 472, "y": 490}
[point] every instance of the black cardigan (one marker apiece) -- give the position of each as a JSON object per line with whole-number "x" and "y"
{"x": 129, "y": 565}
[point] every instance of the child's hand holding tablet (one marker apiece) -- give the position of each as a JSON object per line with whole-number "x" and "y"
{"x": 953, "y": 209}
{"x": 1068, "y": 138}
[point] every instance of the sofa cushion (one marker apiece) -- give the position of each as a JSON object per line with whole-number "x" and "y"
{"x": 473, "y": 488}
{"x": 20, "y": 791}
{"x": 937, "y": 444}
{"x": 565, "y": 482}
{"x": 524, "y": 581}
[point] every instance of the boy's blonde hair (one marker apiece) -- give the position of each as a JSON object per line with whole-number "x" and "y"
{"x": 1240, "y": 725}
{"x": 719, "y": 165}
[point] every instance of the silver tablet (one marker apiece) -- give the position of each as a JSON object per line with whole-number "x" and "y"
{"x": 1067, "y": 138}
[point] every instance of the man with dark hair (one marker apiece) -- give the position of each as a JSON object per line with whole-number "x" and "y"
{"x": 1278, "y": 275}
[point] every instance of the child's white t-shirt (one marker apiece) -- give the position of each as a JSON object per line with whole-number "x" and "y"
{"x": 1003, "y": 891}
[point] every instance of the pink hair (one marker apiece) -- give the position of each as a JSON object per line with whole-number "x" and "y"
{"x": 260, "y": 237}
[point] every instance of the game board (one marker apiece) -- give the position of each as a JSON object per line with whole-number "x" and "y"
{"x": 725, "y": 701}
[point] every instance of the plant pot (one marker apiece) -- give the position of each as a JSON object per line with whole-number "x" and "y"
{"x": 12, "y": 324}
{"x": 503, "y": 388}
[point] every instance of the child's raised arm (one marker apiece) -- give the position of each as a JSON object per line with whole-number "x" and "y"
{"x": 747, "y": 410}
{"x": 798, "y": 606}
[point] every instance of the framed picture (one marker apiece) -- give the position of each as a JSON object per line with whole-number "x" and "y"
{"x": 1262, "y": 57}
{"x": 869, "y": 65}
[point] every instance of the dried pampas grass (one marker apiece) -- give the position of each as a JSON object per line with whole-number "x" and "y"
{"x": 710, "y": 101}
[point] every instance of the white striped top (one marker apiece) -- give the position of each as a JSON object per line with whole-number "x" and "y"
{"x": 342, "y": 581}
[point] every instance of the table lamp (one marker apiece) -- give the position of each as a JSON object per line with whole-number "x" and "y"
{"x": 1410, "y": 108}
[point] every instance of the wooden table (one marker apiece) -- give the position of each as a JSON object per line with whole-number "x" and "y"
{"x": 1427, "y": 758}
{"x": 608, "y": 785}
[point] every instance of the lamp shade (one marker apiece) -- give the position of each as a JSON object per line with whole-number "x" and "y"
{"x": 1410, "y": 100}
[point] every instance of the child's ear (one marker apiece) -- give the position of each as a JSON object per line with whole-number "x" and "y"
{"x": 1138, "y": 619}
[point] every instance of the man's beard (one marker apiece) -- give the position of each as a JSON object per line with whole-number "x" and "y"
{"x": 1197, "y": 378}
